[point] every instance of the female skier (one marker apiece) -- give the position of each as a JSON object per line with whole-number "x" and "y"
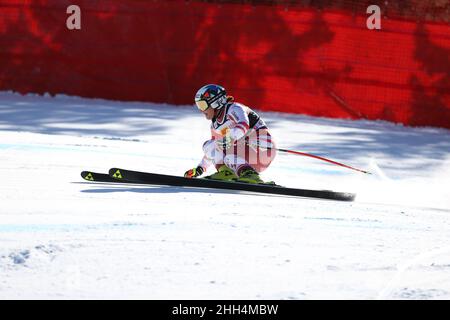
{"x": 240, "y": 146}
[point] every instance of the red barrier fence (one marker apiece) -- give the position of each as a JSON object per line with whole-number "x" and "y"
{"x": 321, "y": 63}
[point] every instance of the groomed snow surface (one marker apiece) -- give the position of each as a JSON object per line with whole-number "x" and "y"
{"x": 65, "y": 238}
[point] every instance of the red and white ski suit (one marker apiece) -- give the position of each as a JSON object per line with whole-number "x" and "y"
{"x": 251, "y": 143}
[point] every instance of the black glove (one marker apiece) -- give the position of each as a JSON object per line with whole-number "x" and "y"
{"x": 193, "y": 173}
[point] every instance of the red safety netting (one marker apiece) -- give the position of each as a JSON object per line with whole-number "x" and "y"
{"x": 309, "y": 61}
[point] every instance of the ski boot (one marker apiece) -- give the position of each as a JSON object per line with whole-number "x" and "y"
{"x": 223, "y": 173}
{"x": 249, "y": 176}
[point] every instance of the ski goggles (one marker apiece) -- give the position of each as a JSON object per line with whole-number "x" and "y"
{"x": 202, "y": 105}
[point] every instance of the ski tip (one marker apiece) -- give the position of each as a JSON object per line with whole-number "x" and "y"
{"x": 115, "y": 173}
{"x": 87, "y": 175}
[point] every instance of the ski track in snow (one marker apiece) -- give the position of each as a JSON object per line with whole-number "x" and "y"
{"x": 64, "y": 238}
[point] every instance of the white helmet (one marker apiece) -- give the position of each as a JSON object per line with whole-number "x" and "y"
{"x": 211, "y": 96}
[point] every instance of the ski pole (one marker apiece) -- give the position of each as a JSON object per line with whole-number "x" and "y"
{"x": 316, "y": 157}
{"x": 321, "y": 158}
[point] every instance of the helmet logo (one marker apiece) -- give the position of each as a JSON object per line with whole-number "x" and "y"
{"x": 213, "y": 95}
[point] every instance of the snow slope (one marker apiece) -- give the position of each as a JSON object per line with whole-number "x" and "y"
{"x": 61, "y": 237}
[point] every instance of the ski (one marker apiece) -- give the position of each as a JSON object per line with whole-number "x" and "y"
{"x": 168, "y": 180}
{"x": 98, "y": 177}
